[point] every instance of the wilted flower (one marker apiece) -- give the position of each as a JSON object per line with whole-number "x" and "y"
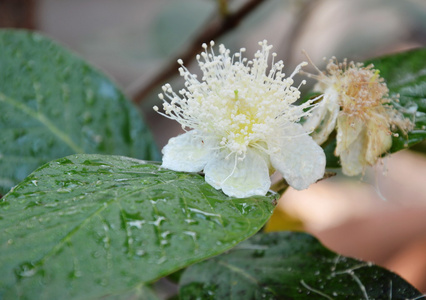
{"x": 355, "y": 99}
{"x": 244, "y": 124}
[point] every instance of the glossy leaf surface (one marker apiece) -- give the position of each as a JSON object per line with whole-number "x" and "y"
{"x": 86, "y": 226}
{"x": 54, "y": 104}
{"x": 289, "y": 265}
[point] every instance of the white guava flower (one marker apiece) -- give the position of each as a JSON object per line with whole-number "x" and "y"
{"x": 355, "y": 101}
{"x": 244, "y": 124}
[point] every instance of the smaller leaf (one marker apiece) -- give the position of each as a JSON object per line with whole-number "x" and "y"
{"x": 289, "y": 265}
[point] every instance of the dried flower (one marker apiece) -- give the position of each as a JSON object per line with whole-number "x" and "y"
{"x": 355, "y": 99}
{"x": 244, "y": 124}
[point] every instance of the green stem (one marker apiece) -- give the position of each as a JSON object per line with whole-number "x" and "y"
{"x": 280, "y": 186}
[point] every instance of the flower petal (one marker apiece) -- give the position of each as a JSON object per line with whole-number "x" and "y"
{"x": 239, "y": 178}
{"x": 351, "y": 144}
{"x": 352, "y": 158}
{"x": 360, "y": 144}
{"x": 298, "y": 157}
{"x": 379, "y": 139}
{"x": 186, "y": 152}
{"x": 322, "y": 120}
{"x": 348, "y": 130}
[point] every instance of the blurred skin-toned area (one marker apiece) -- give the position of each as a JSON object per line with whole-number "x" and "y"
{"x": 376, "y": 217}
{"x": 380, "y": 218}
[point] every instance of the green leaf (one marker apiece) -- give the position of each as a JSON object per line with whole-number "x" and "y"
{"x": 54, "y": 104}
{"x": 86, "y": 226}
{"x": 289, "y": 265}
{"x": 405, "y": 74}
{"x": 139, "y": 292}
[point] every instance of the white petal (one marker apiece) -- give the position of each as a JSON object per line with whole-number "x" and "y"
{"x": 299, "y": 159}
{"x": 352, "y": 158}
{"x": 348, "y": 130}
{"x": 239, "y": 178}
{"x": 351, "y": 144}
{"x": 323, "y": 119}
{"x": 186, "y": 152}
{"x": 379, "y": 139}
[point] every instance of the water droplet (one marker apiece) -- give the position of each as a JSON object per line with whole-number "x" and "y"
{"x": 190, "y": 221}
{"x": 158, "y": 221}
{"x": 198, "y": 211}
{"x": 191, "y": 234}
{"x": 32, "y": 204}
{"x": 64, "y": 161}
{"x": 165, "y": 234}
{"x": 200, "y": 214}
{"x": 87, "y": 117}
{"x": 97, "y": 139}
{"x": 161, "y": 260}
{"x": 102, "y": 282}
{"x": 25, "y": 270}
{"x": 137, "y": 223}
{"x": 63, "y": 190}
{"x": 245, "y": 207}
{"x": 89, "y": 99}
{"x": 158, "y": 200}
{"x": 74, "y": 274}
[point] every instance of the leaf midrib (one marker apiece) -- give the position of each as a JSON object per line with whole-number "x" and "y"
{"x": 43, "y": 120}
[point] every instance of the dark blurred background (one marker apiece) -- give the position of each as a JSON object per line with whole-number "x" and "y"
{"x": 379, "y": 217}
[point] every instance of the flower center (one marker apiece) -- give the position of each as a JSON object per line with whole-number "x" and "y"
{"x": 239, "y": 133}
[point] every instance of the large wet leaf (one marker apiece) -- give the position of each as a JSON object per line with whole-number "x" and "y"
{"x": 85, "y": 226}
{"x": 54, "y": 104}
{"x": 289, "y": 265}
{"x": 139, "y": 292}
{"x": 405, "y": 74}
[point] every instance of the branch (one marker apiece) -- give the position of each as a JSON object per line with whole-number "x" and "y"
{"x": 18, "y": 14}
{"x": 218, "y": 26}
{"x": 298, "y": 27}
